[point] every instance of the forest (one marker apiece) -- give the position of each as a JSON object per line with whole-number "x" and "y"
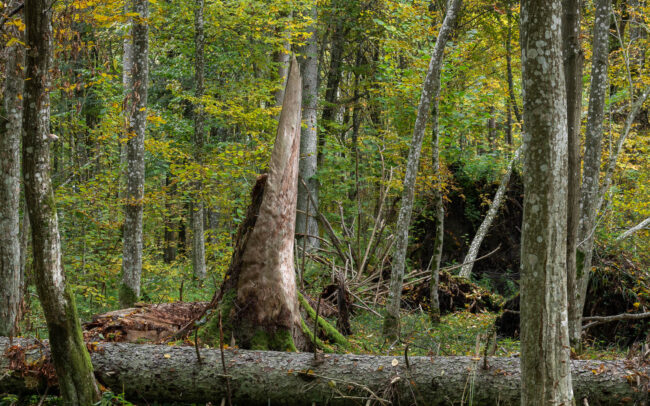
{"x": 324, "y": 202}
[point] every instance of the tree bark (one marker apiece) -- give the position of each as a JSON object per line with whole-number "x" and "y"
{"x": 259, "y": 298}
{"x": 546, "y": 374}
{"x": 72, "y": 363}
{"x": 11, "y": 114}
{"x": 172, "y": 374}
{"x": 589, "y": 194}
{"x": 309, "y": 136}
{"x": 511, "y": 82}
{"x": 430, "y": 90}
{"x": 573, "y": 60}
{"x": 137, "y": 111}
{"x": 438, "y": 215}
{"x": 466, "y": 270}
{"x": 198, "y": 238}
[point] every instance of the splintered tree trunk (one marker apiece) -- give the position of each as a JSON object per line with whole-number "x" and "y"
{"x": 71, "y": 360}
{"x": 573, "y": 75}
{"x": 430, "y": 90}
{"x": 545, "y": 363}
{"x": 258, "y": 299}
{"x": 198, "y": 238}
{"x": 306, "y": 224}
{"x": 10, "y": 132}
{"x": 137, "y": 111}
{"x": 164, "y": 374}
{"x": 589, "y": 195}
{"x": 466, "y": 270}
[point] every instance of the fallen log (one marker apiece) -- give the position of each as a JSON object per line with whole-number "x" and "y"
{"x": 148, "y": 373}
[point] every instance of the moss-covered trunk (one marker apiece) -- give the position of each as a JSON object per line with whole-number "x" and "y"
{"x": 71, "y": 360}
{"x": 258, "y": 299}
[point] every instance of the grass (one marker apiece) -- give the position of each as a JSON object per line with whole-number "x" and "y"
{"x": 456, "y": 334}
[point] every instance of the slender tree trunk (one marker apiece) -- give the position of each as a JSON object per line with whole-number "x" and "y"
{"x": 11, "y": 113}
{"x": 71, "y": 360}
{"x": 430, "y": 90}
{"x": 198, "y": 238}
{"x": 589, "y": 194}
{"x": 171, "y": 229}
{"x": 545, "y": 363}
{"x": 137, "y": 110}
{"x": 309, "y": 137}
{"x": 483, "y": 229}
{"x": 573, "y": 56}
{"x": 127, "y": 71}
{"x": 281, "y": 58}
{"x": 438, "y": 215}
{"x": 511, "y": 82}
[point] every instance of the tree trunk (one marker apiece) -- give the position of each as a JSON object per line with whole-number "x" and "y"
{"x": 11, "y": 113}
{"x": 430, "y": 90}
{"x": 172, "y": 374}
{"x": 258, "y": 298}
{"x": 466, "y": 270}
{"x": 545, "y": 364}
{"x": 170, "y": 235}
{"x": 281, "y": 59}
{"x": 438, "y": 215}
{"x": 71, "y": 360}
{"x": 511, "y": 82}
{"x": 309, "y": 138}
{"x": 137, "y": 111}
{"x": 572, "y": 51}
{"x": 589, "y": 194}
{"x": 198, "y": 238}
{"x": 127, "y": 84}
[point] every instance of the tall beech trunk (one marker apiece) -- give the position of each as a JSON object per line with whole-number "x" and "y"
{"x": 198, "y": 238}
{"x": 430, "y": 90}
{"x": 71, "y": 360}
{"x": 573, "y": 60}
{"x": 483, "y": 229}
{"x": 258, "y": 298}
{"x": 127, "y": 70}
{"x": 137, "y": 111}
{"x": 545, "y": 363}
{"x": 150, "y": 373}
{"x": 307, "y": 224}
{"x": 11, "y": 114}
{"x": 589, "y": 194}
{"x": 438, "y": 215}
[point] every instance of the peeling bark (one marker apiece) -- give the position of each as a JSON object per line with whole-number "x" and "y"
{"x": 137, "y": 111}
{"x": 71, "y": 360}
{"x": 546, "y": 373}
{"x": 172, "y": 374}
{"x": 259, "y": 298}
{"x": 11, "y": 113}
{"x": 430, "y": 90}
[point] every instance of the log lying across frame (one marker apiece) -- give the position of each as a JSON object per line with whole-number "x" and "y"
{"x": 147, "y": 373}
